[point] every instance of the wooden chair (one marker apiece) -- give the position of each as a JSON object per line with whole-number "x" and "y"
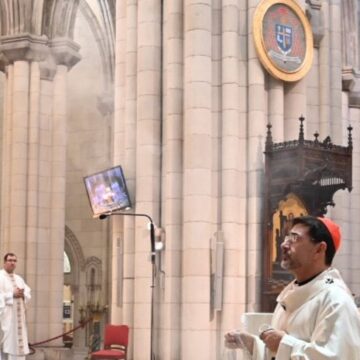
{"x": 115, "y": 343}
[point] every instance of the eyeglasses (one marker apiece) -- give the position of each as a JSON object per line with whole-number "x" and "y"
{"x": 292, "y": 238}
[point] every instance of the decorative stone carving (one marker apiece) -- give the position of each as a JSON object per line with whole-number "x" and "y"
{"x": 351, "y": 83}
{"x": 316, "y": 19}
{"x": 48, "y": 68}
{"x": 94, "y": 262}
{"x": 60, "y": 51}
{"x": 65, "y": 52}
{"x": 52, "y": 18}
{"x": 314, "y": 4}
{"x": 59, "y": 18}
{"x": 22, "y": 47}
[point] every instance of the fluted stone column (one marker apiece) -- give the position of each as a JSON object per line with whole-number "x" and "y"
{"x": 233, "y": 179}
{"x": 336, "y": 72}
{"x": 243, "y": 154}
{"x": 337, "y": 129}
{"x": 295, "y": 100}
{"x": 255, "y": 165}
{"x": 130, "y": 115}
{"x": 33, "y": 169}
{"x": 125, "y": 154}
{"x": 276, "y": 108}
{"x": 197, "y": 213}
{"x": 324, "y": 73}
{"x": 313, "y": 97}
{"x": 173, "y": 180}
{"x": 119, "y": 286}
{"x": 148, "y": 151}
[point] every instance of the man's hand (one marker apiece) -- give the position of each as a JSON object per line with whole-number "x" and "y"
{"x": 18, "y": 293}
{"x": 238, "y": 340}
{"x": 272, "y": 339}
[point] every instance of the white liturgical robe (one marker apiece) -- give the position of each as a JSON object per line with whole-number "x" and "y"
{"x": 320, "y": 319}
{"x": 14, "y": 339}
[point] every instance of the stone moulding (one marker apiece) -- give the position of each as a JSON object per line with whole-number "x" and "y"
{"x": 30, "y": 47}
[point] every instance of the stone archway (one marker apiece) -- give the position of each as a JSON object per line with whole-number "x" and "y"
{"x": 76, "y": 279}
{"x": 84, "y": 279}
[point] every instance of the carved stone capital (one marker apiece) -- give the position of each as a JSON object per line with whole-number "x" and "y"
{"x": 316, "y": 19}
{"x": 347, "y": 78}
{"x": 22, "y": 47}
{"x": 65, "y": 52}
{"x": 351, "y": 83}
{"x": 48, "y": 68}
{"x": 314, "y": 4}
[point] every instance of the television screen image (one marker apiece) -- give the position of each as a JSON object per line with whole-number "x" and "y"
{"x": 107, "y": 191}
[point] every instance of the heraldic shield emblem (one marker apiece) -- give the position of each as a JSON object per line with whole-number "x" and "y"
{"x": 284, "y": 37}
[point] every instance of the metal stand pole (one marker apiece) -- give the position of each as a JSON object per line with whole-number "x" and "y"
{"x": 153, "y": 271}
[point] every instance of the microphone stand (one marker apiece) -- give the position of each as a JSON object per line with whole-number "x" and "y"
{"x": 153, "y": 270}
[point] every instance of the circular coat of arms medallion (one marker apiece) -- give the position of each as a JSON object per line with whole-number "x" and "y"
{"x": 283, "y": 39}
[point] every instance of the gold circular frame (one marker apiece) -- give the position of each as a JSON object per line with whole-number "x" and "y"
{"x": 266, "y": 61}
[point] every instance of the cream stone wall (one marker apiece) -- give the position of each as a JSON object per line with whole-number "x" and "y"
{"x": 217, "y": 100}
{"x": 178, "y": 98}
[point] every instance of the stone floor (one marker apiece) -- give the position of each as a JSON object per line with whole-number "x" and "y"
{"x": 58, "y": 353}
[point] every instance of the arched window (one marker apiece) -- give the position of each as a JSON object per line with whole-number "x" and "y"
{"x": 67, "y": 266}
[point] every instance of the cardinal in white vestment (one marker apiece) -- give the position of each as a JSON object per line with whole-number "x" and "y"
{"x": 316, "y": 317}
{"x": 15, "y": 294}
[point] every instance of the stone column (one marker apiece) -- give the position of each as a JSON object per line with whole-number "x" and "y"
{"x": 338, "y": 130}
{"x": 20, "y": 161}
{"x": 197, "y": 196}
{"x": 313, "y": 98}
{"x": 118, "y": 285}
{"x": 34, "y": 171}
{"x": 173, "y": 179}
{"x": 233, "y": 160}
{"x": 148, "y": 155}
{"x": 243, "y": 155}
{"x": 125, "y": 154}
{"x": 335, "y": 72}
{"x": 295, "y": 100}
{"x": 295, "y": 104}
{"x": 324, "y": 71}
{"x": 256, "y": 123}
{"x": 276, "y": 108}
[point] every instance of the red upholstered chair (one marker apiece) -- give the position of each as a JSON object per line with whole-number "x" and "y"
{"x": 115, "y": 343}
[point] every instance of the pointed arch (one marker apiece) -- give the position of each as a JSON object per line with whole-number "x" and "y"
{"x": 76, "y": 257}
{"x": 102, "y": 26}
{"x": 59, "y": 18}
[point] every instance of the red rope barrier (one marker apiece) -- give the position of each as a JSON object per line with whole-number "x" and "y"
{"x": 82, "y": 325}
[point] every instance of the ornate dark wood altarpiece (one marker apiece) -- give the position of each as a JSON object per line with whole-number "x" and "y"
{"x": 301, "y": 177}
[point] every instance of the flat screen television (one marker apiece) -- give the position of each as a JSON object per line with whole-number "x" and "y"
{"x": 107, "y": 191}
